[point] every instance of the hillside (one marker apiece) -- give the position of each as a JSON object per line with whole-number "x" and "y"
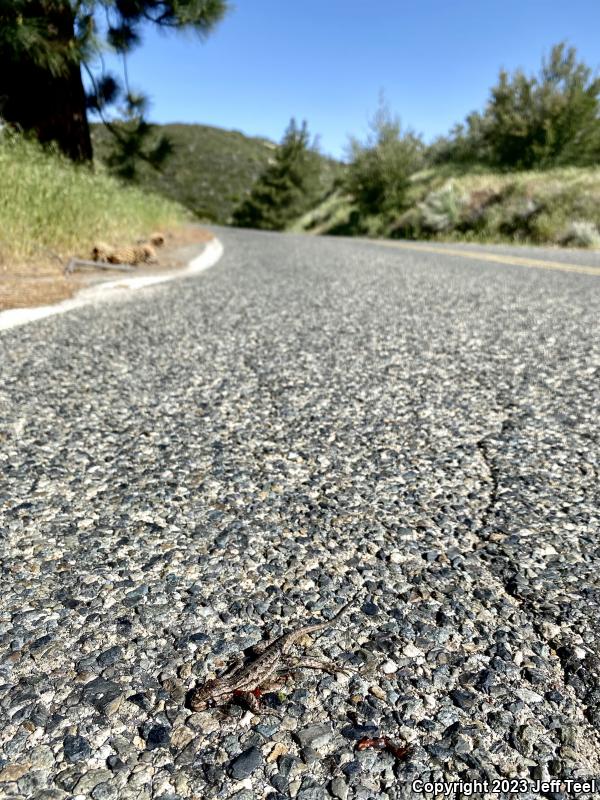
{"x": 557, "y": 206}
{"x": 210, "y": 170}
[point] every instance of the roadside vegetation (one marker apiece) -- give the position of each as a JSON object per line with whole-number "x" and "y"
{"x": 526, "y": 169}
{"x": 51, "y": 207}
{"x": 559, "y": 206}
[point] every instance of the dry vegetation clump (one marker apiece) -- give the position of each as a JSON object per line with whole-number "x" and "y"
{"x": 133, "y": 255}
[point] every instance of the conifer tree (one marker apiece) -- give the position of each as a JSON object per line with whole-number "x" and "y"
{"x": 287, "y": 187}
{"x": 46, "y": 45}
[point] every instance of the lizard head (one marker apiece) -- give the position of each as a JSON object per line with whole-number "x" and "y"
{"x": 206, "y": 696}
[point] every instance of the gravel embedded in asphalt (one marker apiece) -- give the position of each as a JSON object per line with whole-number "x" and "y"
{"x": 310, "y": 421}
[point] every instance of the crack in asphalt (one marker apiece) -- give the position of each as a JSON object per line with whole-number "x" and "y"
{"x": 570, "y": 664}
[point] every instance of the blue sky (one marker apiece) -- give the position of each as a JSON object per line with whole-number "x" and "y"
{"x": 327, "y": 61}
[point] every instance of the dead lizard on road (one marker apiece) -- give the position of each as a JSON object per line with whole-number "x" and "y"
{"x": 244, "y": 682}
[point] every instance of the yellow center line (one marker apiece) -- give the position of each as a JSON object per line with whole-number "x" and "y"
{"x": 499, "y": 258}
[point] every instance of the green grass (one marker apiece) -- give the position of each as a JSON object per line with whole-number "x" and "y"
{"x": 49, "y": 204}
{"x": 553, "y": 207}
{"x": 210, "y": 171}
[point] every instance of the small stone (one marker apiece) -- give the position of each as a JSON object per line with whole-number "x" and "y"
{"x": 339, "y": 788}
{"x": 116, "y": 764}
{"x": 378, "y": 692}
{"x": 463, "y": 744}
{"x": 550, "y": 630}
{"x": 135, "y": 596}
{"x": 32, "y": 782}
{"x": 309, "y": 755}
{"x": 568, "y": 734}
{"x": 356, "y": 732}
{"x": 389, "y": 667}
{"x": 245, "y": 794}
{"x": 158, "y": 736}
{"x": 110, "y": 656}
{"x": 267, "y": 729}
{"x": 104, "y": 791}
{"x": 244, "y": 765}
{"x": 181, "y": 737}
{"x": 396, "y": 557}
{"x": 463, "y": 699}
{"x": 312, "y": 793}
{"x": 91, "y": 779}
{"x": 278, "y": 750}
{"x": 42, "y": 757}
{"x": 370, "y": 609}
{"x": 410, "y": 651}
{"x": 314, "y": 736}
{"x": 67, "y": 778}
{"x": 351, "y": 768}
{"x": 279, "y": 782}
{"x": 76, "y": 748}
{"x": 13, "y": 772}
{"x": 185, "y": 670}
{"x": 141, "y": 776}
{"x": 527, "y": 696}
{"x": 290, "y": 766}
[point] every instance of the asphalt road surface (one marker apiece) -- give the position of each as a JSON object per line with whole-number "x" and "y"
{"x": 310, "y": 421}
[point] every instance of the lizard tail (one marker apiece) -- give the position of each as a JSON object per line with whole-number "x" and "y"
{"x": 341, "y": 612}
{"x": 289, "y": 638}
{"x": 319, "y": 626}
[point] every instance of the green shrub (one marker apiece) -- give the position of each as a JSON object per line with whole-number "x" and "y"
{"x": 379, "y": 169}
{"x": 531, "y": 122}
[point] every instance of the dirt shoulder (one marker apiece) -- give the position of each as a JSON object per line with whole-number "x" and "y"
{"x": 45, "y": 282}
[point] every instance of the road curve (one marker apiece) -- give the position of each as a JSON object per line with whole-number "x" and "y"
{"x": 310, "y": 421}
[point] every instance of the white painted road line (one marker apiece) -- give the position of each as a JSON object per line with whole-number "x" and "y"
{"x": 111, "y": 290}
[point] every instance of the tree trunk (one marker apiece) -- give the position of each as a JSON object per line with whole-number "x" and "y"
{"x": 53, "y": 107}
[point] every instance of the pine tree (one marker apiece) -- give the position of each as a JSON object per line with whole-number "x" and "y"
{"x": 46, "y": 44}
{"x": 287, "y": 187}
